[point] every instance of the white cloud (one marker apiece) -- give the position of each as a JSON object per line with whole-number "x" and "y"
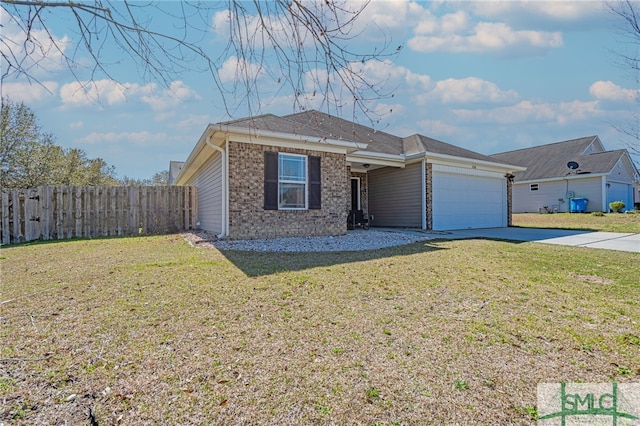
{"x": 389, "y": 18}
{"x": 385, "y": 110}
{"x": 527, "y": 111}
{"x": 177, "y": 93}
{"x": 607, "y": 90}
{"x": 449, "y": 23}
{"x": 489, "y": 37}
{"x": 422, "y": 89}
{"x": 468, "y": 90}
{"x": 194, "y": 121}
{"x": 138, "y": 139}
{"x": 76, "y": 125}
{"x": 436, "y": 128}
{"x": 29, "y": 93}
{"x": 236, "y": 70}
{"x": 393, "y": 14}
{"x": 106, "y": 92}
{"x": 538, "y": 12}
{"x": 36, "y": 52}
{"x": 110, "y": 93}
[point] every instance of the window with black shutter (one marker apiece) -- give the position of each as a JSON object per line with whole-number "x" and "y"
{"x": 291, "y": 181}
{"x": 271, "y": 181}
{"x": 315, "y": 183}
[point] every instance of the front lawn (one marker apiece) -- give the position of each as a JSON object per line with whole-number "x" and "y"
{"x": 612, "y": 222}
{"x": 151, "y": 331}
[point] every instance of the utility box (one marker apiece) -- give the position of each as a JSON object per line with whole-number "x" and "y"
{"x": 578, "y": 205}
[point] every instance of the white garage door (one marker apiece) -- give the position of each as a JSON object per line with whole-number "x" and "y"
{"x": 466, "y": 199}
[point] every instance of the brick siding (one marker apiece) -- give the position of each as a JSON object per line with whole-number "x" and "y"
{"x": 249, "y": 220}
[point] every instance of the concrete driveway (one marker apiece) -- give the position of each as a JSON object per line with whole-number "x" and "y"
{"x": 603, "y": 240}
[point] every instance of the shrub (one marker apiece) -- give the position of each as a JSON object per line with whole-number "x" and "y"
{"x": 597, "y": 214}
{"x": 617, "y": 206}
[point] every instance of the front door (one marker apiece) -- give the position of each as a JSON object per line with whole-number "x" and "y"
{"x": 355, "y": 193}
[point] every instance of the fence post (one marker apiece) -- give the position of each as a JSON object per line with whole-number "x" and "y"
{"x": 59, "y": 210}
{"x": 134, "y": 220}
{"x": 45, "y": 211}
{"x": 6, "y": 230}
{"x": 18, "y": 209}
{"x": 77, "y": 216}
{"x": 32, "y": 214}
{"x": 194, "y": 208}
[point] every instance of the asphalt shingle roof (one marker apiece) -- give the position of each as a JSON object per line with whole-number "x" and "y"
{"x": 338, "y": 128}
{"x": 318, "y": 124}
{"x": 419, "y": 143}
{"x": 550, "y": 161}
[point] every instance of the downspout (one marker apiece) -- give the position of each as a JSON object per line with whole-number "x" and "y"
{"x": 605, "y": 195}
{"x": 423, "y": 172}
{"x": 223, "y": 173}
{"x": 566, "y": 195}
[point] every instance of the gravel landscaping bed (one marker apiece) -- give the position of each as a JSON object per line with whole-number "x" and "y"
{"x": 355, "y": 240}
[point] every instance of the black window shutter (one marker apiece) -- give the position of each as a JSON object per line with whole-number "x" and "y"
{"x": 315, "y": 183}
{"x": 270, "y": 180}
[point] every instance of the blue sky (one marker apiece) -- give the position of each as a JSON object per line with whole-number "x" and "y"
{"x": 487, "y": 76}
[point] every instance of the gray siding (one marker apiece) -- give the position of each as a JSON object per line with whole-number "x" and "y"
{"x": 591, "y": 189}
{"x": 395, "y": 196}
{"x": 549, "y": 192}
{"x": 620, "y": 173}
{"x": 208, "y": 180}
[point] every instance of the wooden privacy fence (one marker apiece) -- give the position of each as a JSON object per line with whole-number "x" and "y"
{"x": 61, "y": 212}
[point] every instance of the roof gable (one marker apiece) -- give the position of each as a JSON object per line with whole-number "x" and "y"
{"x": 550, "y": 160}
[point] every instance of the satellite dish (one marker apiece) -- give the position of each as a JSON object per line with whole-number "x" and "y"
{"x": 573, "y": 165}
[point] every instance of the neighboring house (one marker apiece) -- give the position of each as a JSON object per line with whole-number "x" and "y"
{"x": 174, "y": 170}
{"x": 299, "y": 175}
{"x": 599, "y": 176}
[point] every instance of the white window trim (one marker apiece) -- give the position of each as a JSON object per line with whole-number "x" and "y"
{"x": 306, "y": 181}
{"x": 532, "y": 185}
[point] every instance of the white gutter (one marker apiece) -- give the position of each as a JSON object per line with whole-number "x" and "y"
{"x": 568, "y": 177}
{"x": 395, "y": 159}
{"x": 432, "y": 155}
{"x": 377, "y": 158}
{"x": 353, "y": 146}
{"x": 225, "y": 192}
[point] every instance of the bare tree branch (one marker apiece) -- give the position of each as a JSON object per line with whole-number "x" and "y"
{"x": 628, "y": 12}
{"x": 302, "y": 47}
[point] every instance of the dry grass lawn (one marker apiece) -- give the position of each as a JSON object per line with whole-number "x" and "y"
{"x": 147, "y": 331}
{"x": 612, "y": 222}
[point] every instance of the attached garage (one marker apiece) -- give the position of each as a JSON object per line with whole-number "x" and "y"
{"x": 620, "y": 192}
{"x": 468, "y": 199}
